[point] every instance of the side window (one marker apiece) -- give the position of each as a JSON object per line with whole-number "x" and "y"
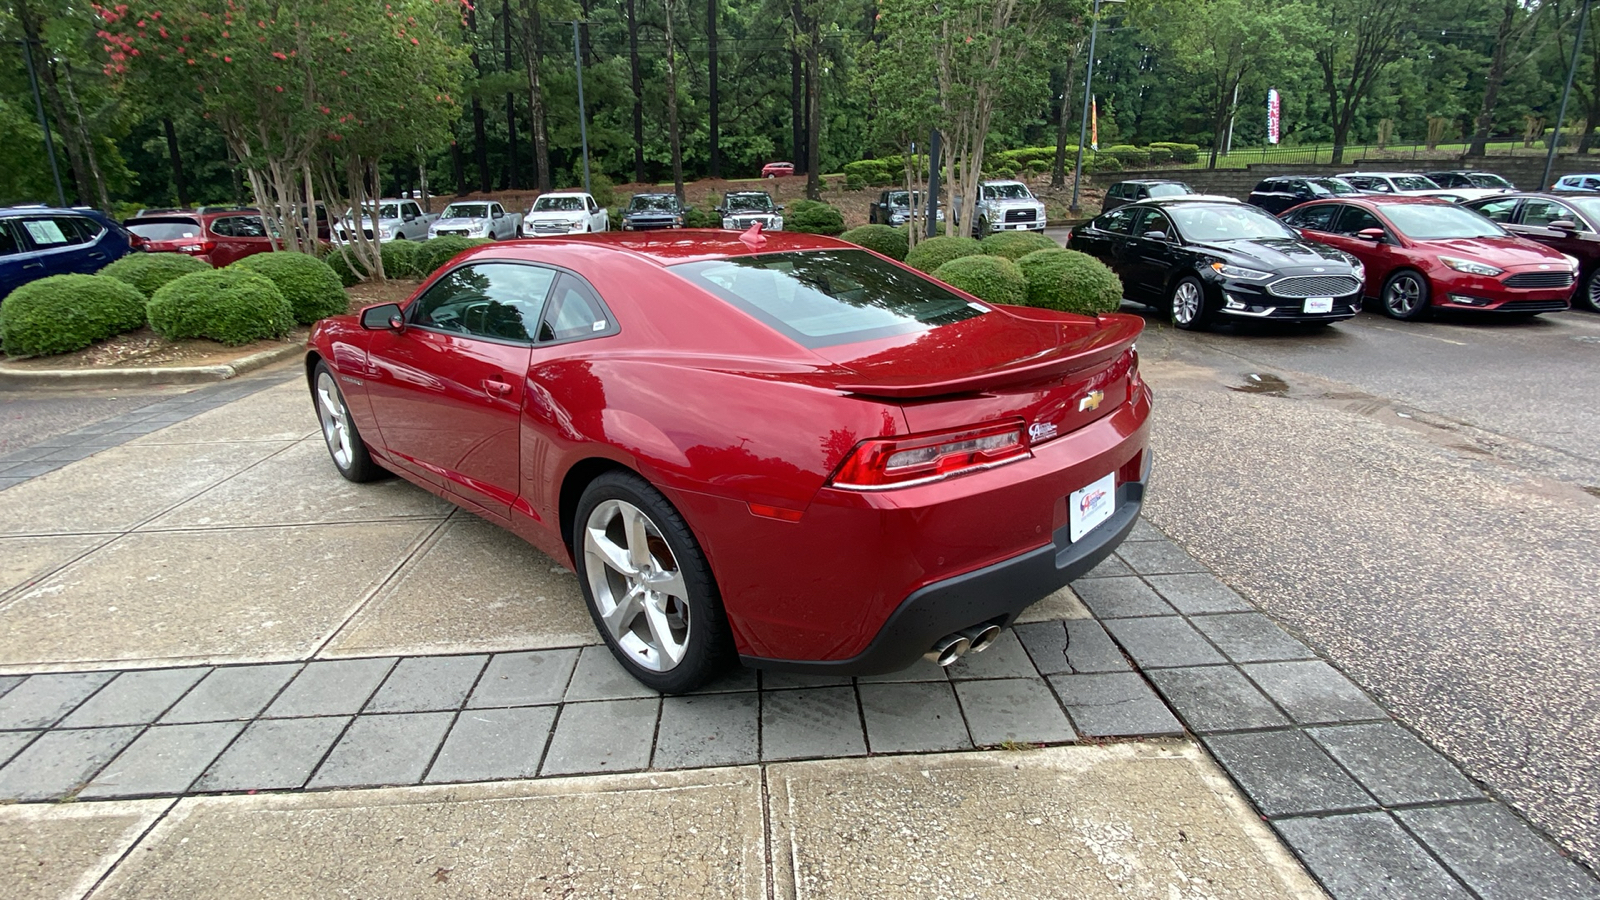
{"x": 411, "y": 210}
{"x": 1315, "y": 218}
{"x": 1591, "y": 184}
{"x": 1143, "y": 193}
{"x": 1354, "y": 219}
{"x": 223, "y": 226}
{"x": 491, "y": 300}
{"x": 47, "y": 234}
{"x": 1117, "y": 221}
{"x": 1152, "y": 220}
{"x": 1540, "y": 213}
{"x": 9, "y": 242}
{"x": 574, "y": 311}
{"x": 88, "y": 229}
{"x": 1498, "y": 210}
{"x": 589, "y": 201}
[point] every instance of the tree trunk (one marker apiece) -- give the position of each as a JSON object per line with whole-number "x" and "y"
{"x": 807, "y": 138}
{"x": 178, "y": 184}
{"x": 714, "y": 161}
{"x": 638, "y": 95}
{"x": 480, "y": 148}
{"x": 1497, "y": 76}
{"x": 673, "y": 134}
{"x": 814, "y": 111}
{"x": 458, "y": 168}
{"x": 797, "y": 116}
{"x": 1058, "y": 171}
{"x": 511, "y": 104}
{"x": 532, "y": 34}
{"x": 88, "y": 145}
{"x": 31, "y": 27}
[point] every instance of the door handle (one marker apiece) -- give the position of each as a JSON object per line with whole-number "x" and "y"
{"x": 97, "y": 256}
{"x": 33, "y": 265}
{"x": 496, "y": 388}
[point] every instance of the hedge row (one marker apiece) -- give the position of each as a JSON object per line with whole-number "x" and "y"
{"x": 888, "y": 170}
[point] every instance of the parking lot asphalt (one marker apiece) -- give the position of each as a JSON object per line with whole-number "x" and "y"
{"x": 1420, "y": 502}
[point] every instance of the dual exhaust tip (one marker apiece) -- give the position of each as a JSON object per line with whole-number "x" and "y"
{"x": 952, "y": 647}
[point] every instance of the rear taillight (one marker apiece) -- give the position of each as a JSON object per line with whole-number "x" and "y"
{"x": 883, "y": 463}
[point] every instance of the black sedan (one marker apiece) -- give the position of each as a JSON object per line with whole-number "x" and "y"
{"x": 1205, "y": 257}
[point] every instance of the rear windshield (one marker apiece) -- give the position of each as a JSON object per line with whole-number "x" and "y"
{"x": 828, "y": 297}
{"x": 1337, "y": 186}
{"x": 1427, "y": 222}
{"x": 165, "y": 229}
{"x": 1414, "y": 183}
{"x": 1170, "y": 189}
{"x": 1489, "y": 180}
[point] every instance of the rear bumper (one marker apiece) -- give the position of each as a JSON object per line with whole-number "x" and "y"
{"x": 996, "y": 593}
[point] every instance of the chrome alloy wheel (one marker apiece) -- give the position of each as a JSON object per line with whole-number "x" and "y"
{"x": 1186, "y": 302}
{"x": 1402, "y": 295}
{"x": 1593, "y": 292}
{"x": 335, "y": 427}
{"x": 636, "y": 584}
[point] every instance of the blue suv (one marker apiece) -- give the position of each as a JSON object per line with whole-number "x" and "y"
{"x": 37, "y": 241}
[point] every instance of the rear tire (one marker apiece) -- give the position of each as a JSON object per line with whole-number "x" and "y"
{"x": 1187, "y": 305}
{"x": 648, "y": 586}
{"x": 1405, "y": 295}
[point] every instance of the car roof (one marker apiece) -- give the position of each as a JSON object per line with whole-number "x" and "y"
{"x": 1001, "y": 181}
{"x": 1387, "y": 199}
{"x": 33, "y": 209}
{"x": 655, "y": 194}
{"x": 1189, "y": 199}
{"x": 732, "y": 193}
{"x": 667, "y": 248}
{"x": 545, "y": 194}
{"x": 1154, "y": 181}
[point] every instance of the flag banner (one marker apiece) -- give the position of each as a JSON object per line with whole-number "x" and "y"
{"x": 1273, "y": 110}
{"x": 1094, "y": 124}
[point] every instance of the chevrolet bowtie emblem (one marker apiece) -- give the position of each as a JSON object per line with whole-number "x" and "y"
{"x": 1091, "y": 400}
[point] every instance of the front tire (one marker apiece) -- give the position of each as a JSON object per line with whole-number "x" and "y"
{"x": 648, "y": 585}
{"x": 1405, "y": 295}
{"x": 1187, "y": 305}
{"x": 1589, "y": 294}
{"x": 344, "y": 442}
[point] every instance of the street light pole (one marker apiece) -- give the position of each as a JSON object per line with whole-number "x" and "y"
{"x": 1088, "y": 88}
{"x": 583, "y": 117}
{"x": 1555, "y": 136}
{"x": 44, "y": 126}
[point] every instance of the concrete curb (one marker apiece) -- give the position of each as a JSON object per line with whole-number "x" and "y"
{"x": 147, "y": 375}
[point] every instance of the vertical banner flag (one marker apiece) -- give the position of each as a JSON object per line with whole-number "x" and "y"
{"x": 1273, "y": 110}
{"x": 1094, "y": 124}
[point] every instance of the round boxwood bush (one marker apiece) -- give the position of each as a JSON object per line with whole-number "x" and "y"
{"x": 403, "y": 259}
{"x": 992, "y": 278}
{"x": 813, "y": 217}
{"x": 1070, "y": 281}
{"x": 1016, "y": 244}
{"x": 932, "y": 253}
{"x": 63, "y": 313}
{"x": 233, "y": 306}
{"x": 342, "y": 263}
{"x": 891, "y": 242}
{"x": 441, "y": 250}
{"x": 149, "y": 271}
{"x": 312, "y": 288}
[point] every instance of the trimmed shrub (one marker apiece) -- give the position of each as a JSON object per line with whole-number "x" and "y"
{"x": 1015, "y": 244}
{"x": 440, "y": 250}
{"x": 403, "y": 259}
{"x": 1102, "y": 164}
{"x": 310, "y": 285}
{"x": 602, "y": 189}
{"x": 932, "y": 253}
{"x": 1181, "y": 153}
{"x": 992, "y": 278}
{"x": 149, "y": 271}
{"x": 63, "y": 313}
{"x": 1128, "y": 155}
{"x": 1070, "y": 281}
{"x": 855, "y": 183}
{"x": 232, "y": 306}
{"x": 811, "y": 217}
{"x": 1159, "y": 156}
{"x": 891, "y": 242}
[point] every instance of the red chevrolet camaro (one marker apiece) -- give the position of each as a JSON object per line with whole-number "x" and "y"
{"x": 783, "y": 449}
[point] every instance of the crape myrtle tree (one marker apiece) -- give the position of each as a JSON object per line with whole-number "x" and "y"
{"x": 309, "y": 95}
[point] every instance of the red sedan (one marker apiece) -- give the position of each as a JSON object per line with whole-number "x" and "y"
{"x": 219, "y": 238}
{"x": 777, "y": 169}
{"x": 1422, "y": 253}
{"x": 780, "y": 448}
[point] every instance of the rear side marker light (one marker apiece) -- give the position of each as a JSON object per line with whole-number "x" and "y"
{"x": 884, "y": 463}
{"x": 780, "y": 513}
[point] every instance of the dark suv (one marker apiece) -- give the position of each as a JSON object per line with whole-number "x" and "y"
{"x": 647, "y": 211}
{"x": 1142, "y": 189}
{"x": 39, "y": 241}
{"x": 1278, "y": 194}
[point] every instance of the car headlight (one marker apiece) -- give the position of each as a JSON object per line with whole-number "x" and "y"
{"x": 777, "y": 223}
{"x": 385, "y": 232}
{"x": 1240, "y": 272}
{"x": 1356, "y": 268}
{"x": 1571, "y": 261}
{"x": 1469, "y": 266}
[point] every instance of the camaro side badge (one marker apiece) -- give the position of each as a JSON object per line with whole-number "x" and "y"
{"x": 1091, "y": 400}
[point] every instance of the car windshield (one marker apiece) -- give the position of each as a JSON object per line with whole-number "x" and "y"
{"x": 741, "y": 202}
{"x": 1172, "y": 189}
{"x": 1336, "y": 186}
{"x": 1427, "y": 222}
{"x": 1006, "y": 192}
{"x": 828, "y": 297}
{"x": 562, "y": 204}
{"x": 165, "y": 229}
{"x": 1225, "y": 223}
{"x": 466, "y": 211}
{"x": 1414, "y": 183}
{"x": 1487, "y": 180}
{"x": 386, "y": 211}
{"x": 663, "y": 202}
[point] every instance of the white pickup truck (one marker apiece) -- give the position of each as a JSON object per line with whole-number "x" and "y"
{"x": 1006, "y": 206}
{"x": 398, "y": 220}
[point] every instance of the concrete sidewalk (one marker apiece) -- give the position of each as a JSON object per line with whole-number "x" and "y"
{"x": 204, "y": 610}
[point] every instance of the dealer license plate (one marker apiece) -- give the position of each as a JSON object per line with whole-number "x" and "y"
{"x": 1319, "y": 304}
{"x": 1091, "y": 506}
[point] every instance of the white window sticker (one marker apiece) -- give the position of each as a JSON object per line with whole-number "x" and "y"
{"x": 44, "y": 232}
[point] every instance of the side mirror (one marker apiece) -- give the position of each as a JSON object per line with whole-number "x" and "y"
{"x": 780, "y": 209}
{"x": 1154, "y": 235}
{"x": 722, "y": 211}
{"x": 1563, "y": 225}
{"x": 384, "y": 315}
{"x": 1375, "y": 235}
